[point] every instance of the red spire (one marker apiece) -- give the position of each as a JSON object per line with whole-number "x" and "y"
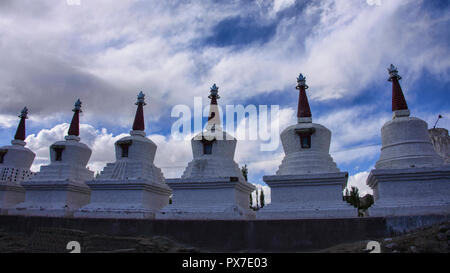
{"x": 214, "y": 117}
{"x": 139, "y": 124}
{"x": 20, "y": 133}
{"x": 74, "y": 129}
{"x": 398, "y": 99}
{"x": 303, "y": 110}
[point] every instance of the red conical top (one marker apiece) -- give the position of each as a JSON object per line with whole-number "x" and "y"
{"x": 303, "y": 110}
{"x": 398, "y": 99}
{"x": 20, "y": 133}
{"x": 74, "y": 129}
{"x": 214, "y": 117}
{"x": 138, "y": 124}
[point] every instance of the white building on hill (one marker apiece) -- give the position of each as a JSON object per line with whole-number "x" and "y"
{"x": 131, "y": 187}
{"x": 409, "y": 178}
{"x": 212, "y": 186}
{"x": 308, "y": 183}
{"x": 15, "y": 163}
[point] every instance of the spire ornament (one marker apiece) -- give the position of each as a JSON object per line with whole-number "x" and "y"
{"x": 74, "y": 129}
{"x": 393, "y": 73}
{"x": 214, "y": 94}
{"x": 398, "y": 99}
{"x": 303, "y": 109}
{"x": 24, "y": 113}
{"x": 214, "y": 117}
{"x": 301, "y": 82}
{"x": 139, "y": 124}
{"x": 20, "y": 135}
{"x": 141, "y": 99}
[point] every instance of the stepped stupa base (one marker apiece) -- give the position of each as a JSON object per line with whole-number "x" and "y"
{"x": 411, "y": 191}
{"x": 307, "y": 196}
{"x": 58, "y": 198}
{"x": 10, "y": 195}
{"x": 216, "y": 198}
{"x": 129, "y": 199}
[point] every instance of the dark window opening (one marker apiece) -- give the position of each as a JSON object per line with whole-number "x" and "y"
{"x": 207, "y": 148}
{"x": 305, "y": 142}
{"x": 58, "y": 153}
{"x": 124, "y": 147}
{"x": 2, "y": 156}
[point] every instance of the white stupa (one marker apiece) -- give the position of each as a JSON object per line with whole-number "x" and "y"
{"x": 59, "y": 188}
{"x": 307, "y": 184}
{"x": 15, "y": 163}
{"x": 409, "y": 178}
{"x": 131, "y": 187}
{"x": 212, "y": 186}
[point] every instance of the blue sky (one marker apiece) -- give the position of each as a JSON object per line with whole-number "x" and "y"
{"x": 105, "y": 52}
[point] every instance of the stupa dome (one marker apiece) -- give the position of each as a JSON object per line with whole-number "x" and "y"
{"x": 16, "y": 159}
{"x": 213, "y": 149}
{"x": 306, "y": 145}
{"x": 68, "y": 158}
{"x": 135, "y": 153}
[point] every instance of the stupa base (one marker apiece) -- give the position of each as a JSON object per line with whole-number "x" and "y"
{"x": 52, "y": 198}
{"x": 307, "y": 196}
{"x": 411, "y": 191}
{"x": 10, "y": 195}
{"x": 130, "y": 199}
{"x": 217, "y": 198}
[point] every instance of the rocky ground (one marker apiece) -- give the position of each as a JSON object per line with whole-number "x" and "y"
{"x": 56, "y": 240}
{"x": 434, "y": 239}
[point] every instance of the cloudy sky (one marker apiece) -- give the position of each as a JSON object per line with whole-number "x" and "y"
{"x": 104, "y": 52}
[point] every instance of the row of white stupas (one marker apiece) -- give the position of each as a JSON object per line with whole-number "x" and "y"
{"x": 410, "y": 178}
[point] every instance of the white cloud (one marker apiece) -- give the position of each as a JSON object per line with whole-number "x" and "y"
{"x": 7, "y": 121}
{"x": 279, "y": 5}
{"x": 256, "y": 195}
{"x": 249, "y": 151}
{"x": 359, "y": 180}
{"x": 105, "y": 52}
{"x": 100, "y": 141}
{"x": 373, "y": 2}
{"x": 102, "y": 144}
{"x": 172, "y": 156}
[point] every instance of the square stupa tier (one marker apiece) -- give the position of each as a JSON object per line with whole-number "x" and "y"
{"x": 307, "y": 196}
{"x": 213, "y": 198}
{"x": 410, "y": 191}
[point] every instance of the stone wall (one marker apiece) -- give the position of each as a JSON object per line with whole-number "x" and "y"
{"x": 246, "y": 236}
{"x": 441, "y": 142}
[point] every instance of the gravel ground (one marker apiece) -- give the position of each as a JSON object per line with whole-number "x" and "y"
{"x": 55, "y": 241}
